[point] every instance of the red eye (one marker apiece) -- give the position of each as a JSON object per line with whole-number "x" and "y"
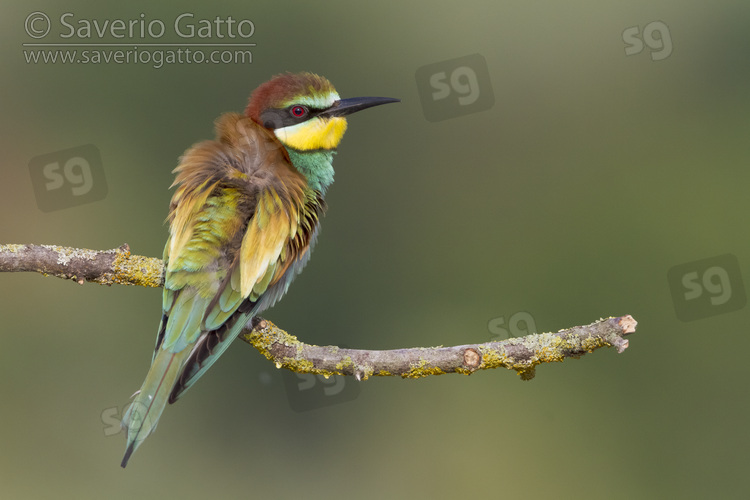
{"x": 298, "y": 111}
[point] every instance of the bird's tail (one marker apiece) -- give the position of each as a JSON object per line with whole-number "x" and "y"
{"x": 143, "y": 414}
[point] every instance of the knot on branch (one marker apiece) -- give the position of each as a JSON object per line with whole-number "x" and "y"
{"x": 472, "y": 359}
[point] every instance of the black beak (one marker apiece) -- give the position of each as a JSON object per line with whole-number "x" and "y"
{"x": 345, "y": 107}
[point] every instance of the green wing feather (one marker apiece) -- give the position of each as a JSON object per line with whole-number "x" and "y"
{"x": 265, "y": 255}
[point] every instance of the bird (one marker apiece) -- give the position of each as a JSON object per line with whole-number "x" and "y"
{"x": 243, "y": 220}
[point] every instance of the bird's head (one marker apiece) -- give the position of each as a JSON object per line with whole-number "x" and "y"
{"x": 305, "y": 111}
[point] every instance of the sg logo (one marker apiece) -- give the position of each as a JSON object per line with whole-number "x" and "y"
{"x": 661, "y": 46}
{"x": 68, "y": 178}
{"x": 455, "y": 87}
{"x": 112, "y": 417}
{"x": 306, "y": 391}
{"x": 715, "y": 281}
{"x": 520, "y": 324}
{"x": 707, "y": 287}
{"x": 463, "y": 81}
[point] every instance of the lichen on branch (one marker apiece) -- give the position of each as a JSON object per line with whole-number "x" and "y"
{"x": 522, "y": 354}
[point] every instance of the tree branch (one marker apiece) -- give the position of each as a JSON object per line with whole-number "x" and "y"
{"x": 106, "y": 267}
{"x": 521, "y": 354}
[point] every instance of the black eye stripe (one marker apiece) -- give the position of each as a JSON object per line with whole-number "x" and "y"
{"x": 274, "y": 118}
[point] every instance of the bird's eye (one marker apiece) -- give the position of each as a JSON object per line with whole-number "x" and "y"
{"x": 298, "y": 111}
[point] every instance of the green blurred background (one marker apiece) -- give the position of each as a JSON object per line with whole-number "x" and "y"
{"x": 592, "y": 175}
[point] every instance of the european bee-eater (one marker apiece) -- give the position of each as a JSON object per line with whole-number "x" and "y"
{"x": 242, "y": 223}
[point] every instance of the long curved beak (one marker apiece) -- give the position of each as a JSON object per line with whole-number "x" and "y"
{"x": 345, "y": 107}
